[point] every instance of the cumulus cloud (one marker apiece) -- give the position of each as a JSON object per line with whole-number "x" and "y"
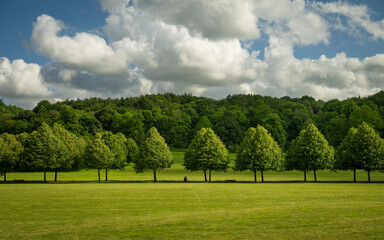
{"x": 84, "y": 51}
{"x": 20, "y": 80}
{"x": 211, "y": 19}
{"x": 324, "y": 78}
{"x": 358, "y": 16}
{"x": 201, "y": 47}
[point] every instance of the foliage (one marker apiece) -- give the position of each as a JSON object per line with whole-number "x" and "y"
{"x": 259, "y": 152}
{"x": 206, "y": 152}
{"x": 154, "y": 154}
{"x": 97, "y": 154}
{"x": 310, "y": 151}
{"x": 117, "y": 143}
{"x": 44, "y": 151}
{"x": 362, "y": 148}
{"x": 202, "y": 123}
{"x": 10, "y": 150}
{"x": 132, "y": 150}
{"x": 179, "y": 117}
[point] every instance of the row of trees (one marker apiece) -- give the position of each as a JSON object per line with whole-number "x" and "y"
{"x": 179, "y": 117}
{"x": 55, "y": 149}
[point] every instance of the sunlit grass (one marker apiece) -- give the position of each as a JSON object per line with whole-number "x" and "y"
{"x": 177, "y": 173}
{"x": 192, "y": 211}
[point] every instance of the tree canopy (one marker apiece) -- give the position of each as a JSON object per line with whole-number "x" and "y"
{"x": 10, "y": 150}
{"x": 206, "y": 152}
{"x": 259, "y": 152}
{"x": 97, "y": 154}
{"x": 310, "y": 151}
{"x": 363, "y": 149}
{"x": 154, "y": 154}
{"x": 44, "y": 151}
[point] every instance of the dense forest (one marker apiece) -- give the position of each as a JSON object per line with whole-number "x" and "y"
{"x": 179, "y": 117}
{"x": 266, "y": 133}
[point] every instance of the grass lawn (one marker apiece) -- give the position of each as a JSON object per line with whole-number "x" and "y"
{"x": 192, "y": 211}
{"x": 177, "y": 173}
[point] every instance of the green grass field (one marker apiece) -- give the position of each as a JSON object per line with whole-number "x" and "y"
{"x": 177, "y": 173}
{"x": 193, "y": 210}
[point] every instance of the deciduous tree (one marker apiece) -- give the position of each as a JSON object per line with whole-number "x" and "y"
{"x": 132, "y": 150}
{"x": 117, "y": 144}
{"x": 44, "y": 151}
{"x": 259, "y": 152}
{"x": 154, "y": 154}
{"x": 310, "y": 151}
{"x": 362, "y": 148}
{"x": 206, "y": 152}
{"x": 97, "y": 154}
{"x": 10, "y": 150}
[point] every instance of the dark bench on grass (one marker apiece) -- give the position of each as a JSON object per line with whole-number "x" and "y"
{"x": 230, "y": 180}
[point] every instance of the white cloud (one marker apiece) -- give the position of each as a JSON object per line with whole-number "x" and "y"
{"x": 309, "y": 29}
{"x": 176, "y": 53}
{"x": 201, "y": 47}
{"x": 358, "y": 16}
{"x": 325, "y": 78}
{"x": 84, "y": 51}
{"x": 20, "y": 80}
{"x": 211, "y": 19}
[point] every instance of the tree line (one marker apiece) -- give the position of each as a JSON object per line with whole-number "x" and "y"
{"x": 54, "y": 149}
{"x": 177, "y": 117}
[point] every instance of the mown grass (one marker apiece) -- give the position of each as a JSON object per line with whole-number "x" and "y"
{"x": 192, "y": 211}
{"x": 177, "y": 173}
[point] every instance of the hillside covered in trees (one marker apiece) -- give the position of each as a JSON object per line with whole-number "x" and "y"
{"x": 179, "y": 117}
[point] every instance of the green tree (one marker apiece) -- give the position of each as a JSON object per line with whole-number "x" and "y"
{"x": 44, "y": 151}
{"x": 106, "y": 117}
{"x": 154, "y": 154}
{"x": 366, "y": 114}
{"x": 273, "y": 124}
{"x": 130, "y": 125}
{"x": 362, "y": 148}
{"x": 132, "y": 150}
{"x": 310, "y": 151}
{"x": 97, "y": 154}
{"x": 89, "y": 124}
{"x": 10, "y": 150}
{"x": 118, "y": 146}
{"x": 202, "y": 123}
{"x": 229, "y": 130}
{"x": 206, "y": 152}
{"x": 74, "y": 148}
{"x": 259, "y": 152}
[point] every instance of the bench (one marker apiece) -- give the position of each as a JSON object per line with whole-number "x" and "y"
{"x": 230, "y": 180}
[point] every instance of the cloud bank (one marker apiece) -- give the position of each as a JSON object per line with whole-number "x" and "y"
{"x": 199, "y": 47}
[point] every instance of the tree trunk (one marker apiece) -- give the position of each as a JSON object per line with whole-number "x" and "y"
{"x": 45, "y": 176}
{"x": 209, "y": 175}
{"x": 154, "y": 176}
{"x": 5, "y": 176}
{"x": 254, "y": 174}
{"x": 205, "y": 175}
{"x": 98, "y": 173}
{"x": 55, "y": 176}
{"x": 262, "y": 176}
{"x": 354, "y": 175}
{"x": 314, "y": 174}
{"x": 106, "y": 174}
{"x": 305, "y": 175}
{"x": 369, "y": 176}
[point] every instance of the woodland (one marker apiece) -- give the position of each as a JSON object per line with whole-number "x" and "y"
{"x": 75, "y": 134}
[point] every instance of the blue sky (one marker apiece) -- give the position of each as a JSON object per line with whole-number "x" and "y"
{"x": 77, "y": 49}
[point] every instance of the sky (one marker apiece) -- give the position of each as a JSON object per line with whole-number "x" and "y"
{"x": 57, "y": 50}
